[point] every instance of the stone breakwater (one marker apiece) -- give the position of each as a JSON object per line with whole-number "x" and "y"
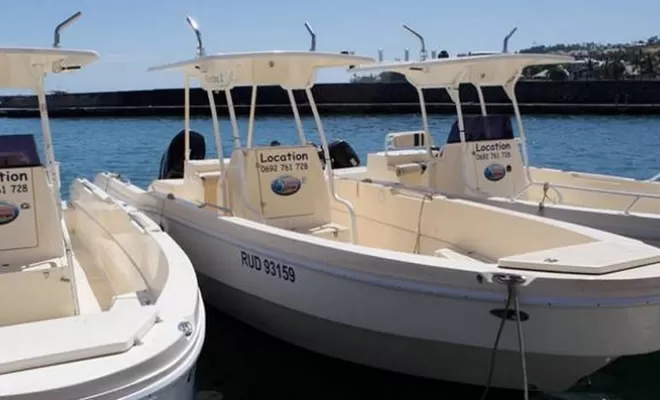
{"x": 567, "y": 97}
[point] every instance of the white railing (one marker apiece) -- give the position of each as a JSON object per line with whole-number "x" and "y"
{"x": 554, "y": 186}
{"x": 328, "y": 166}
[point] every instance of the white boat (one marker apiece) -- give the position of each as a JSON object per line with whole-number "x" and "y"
{"x": 381, "y": 275}
{"x": 484, "y": 161}
{"x": 96, "y": 301}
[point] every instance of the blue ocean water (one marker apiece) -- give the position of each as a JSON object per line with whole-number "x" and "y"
{"x": 241, "y": 363}
{"x": 133, "y": 146}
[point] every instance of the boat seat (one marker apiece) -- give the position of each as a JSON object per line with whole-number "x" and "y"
{"x": 405, "y": 151}
{"x": 407, "y": 139}
{"x": 404, "y": 166}
{"x": 64, "y": 340}
{"x": 409, "y": 168}
{"x": 210, "y": 174}
{"x": 200, "y": 177}
{"x": 198, "y": 167}
{"x": 403, "y": 157}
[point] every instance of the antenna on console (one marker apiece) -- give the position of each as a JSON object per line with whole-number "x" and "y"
{"x": 505, "y": 45}
{"x": 62, "y": 25}
{"x": 313, "y": 35}
{"x": 195, "y": 27}
{"x": 422, "y": 52}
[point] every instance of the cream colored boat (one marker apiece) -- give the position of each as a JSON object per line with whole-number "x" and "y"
{"x": 484, "y": 161}
{"x": 384, "y": 275}
{"x": 96, "y": 302}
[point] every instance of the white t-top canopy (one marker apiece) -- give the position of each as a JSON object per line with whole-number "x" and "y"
{"x": 17, "y": 64}
{"x": 481, "y": 70}
{"x": 289, "y": 69}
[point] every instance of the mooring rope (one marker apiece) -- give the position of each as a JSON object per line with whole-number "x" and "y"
{"x": 521, "y": 341}
{"x": 546, "y": 187}
{"x": 169, "y": 196}
{"x": 418, "y": 236}
{"x": 511, "y": 282}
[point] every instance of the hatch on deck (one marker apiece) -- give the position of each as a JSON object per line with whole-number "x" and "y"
{"x": 594, "y": 258}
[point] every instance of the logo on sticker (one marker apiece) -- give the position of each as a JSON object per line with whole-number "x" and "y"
{"x": 8, "y": 212}
{"x": 494, "y": 172}
{"x": 285, "y": 185}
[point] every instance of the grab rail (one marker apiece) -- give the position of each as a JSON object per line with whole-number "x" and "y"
{"x": 328, "y": 166}
{"x": 637, "y": 196}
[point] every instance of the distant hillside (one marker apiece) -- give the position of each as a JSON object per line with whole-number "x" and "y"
{"x": 635, "y": 60}
{"x": 650, "y": 45}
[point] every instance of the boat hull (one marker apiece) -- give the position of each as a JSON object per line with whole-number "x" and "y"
{"x": 161, "y": 360}
{"x": 363, "y": 307}
{"x": 410, "y": 356}
{"x": 180, "y": 383}
{"x": 178, "y": 386}
{"x": 182, "y": 388}
{"x": 372, "y": 325}
{"x": 174, "y": 381}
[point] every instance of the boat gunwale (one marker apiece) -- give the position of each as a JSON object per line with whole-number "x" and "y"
{"x": 392, "y": 282}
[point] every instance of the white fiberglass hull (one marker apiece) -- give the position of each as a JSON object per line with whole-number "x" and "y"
{"x": 440, "y": 328}
{"x": 408, "y": 355}
{"x": 372, "y": 324}
{"x": 144, "y": 345}
{"x": 171, "y": 376}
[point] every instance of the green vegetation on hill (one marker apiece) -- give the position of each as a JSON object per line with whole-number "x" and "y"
{"x": 596, "y": 48}
{"x": 636, "y": 60}
{"x": 383, "y": 77}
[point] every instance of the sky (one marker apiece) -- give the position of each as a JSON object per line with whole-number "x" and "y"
{"x": 132, "y": 35}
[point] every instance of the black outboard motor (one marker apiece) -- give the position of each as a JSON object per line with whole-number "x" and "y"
{"x": 343, "y": 155}
{"x": 171, "y": 163}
